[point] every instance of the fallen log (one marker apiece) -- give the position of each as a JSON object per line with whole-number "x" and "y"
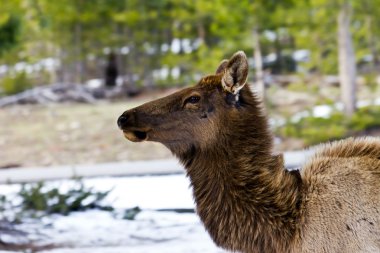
{"x": 67, "y": 92}
{"x": 56, "y": 93}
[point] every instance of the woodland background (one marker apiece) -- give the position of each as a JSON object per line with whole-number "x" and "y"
{"x": 174, "y": 42}
{"x": 69, "y": 68}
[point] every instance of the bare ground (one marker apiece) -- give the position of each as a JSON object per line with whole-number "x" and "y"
{"x": 64, "y": 134}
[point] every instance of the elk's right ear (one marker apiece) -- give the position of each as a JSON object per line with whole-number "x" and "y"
{"x": 235, "y": 73}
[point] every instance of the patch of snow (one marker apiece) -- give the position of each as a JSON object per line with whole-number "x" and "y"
{"x": 101, "y": 231}
{"x": 176, "y": 46}
{"x": 175, "y": 72}
{"x": 124, "y": 50}
{"x": 363, "y": 103}
{"x": 147, "y": 192}
{"x": 197, "y": 43}
{"x": 272, "y": 57}
{"x": 164, "y": 47}
{"x": 270, "y": 35}
{"x": 106, "y": 50}
{"x": 298, "y": 116}
{"x": 367, "y": 58}
{"x": 149, "y": 49}
{"x": 186, "y": 45}
{"x": 94, "y": 83}
{"x": 164, "y": 73}
{"x": 322, "y": 111}
{"x": 3, "y": 69}
{"x": 9, "y": 189}
{"x": 20, "y": 66}
{"x": 49, "y": 64}
{"x": 302, "y": 55}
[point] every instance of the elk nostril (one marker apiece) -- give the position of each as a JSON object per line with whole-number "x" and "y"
{"x": 122, "y": 120}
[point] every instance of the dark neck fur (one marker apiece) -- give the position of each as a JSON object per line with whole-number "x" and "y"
{"x": 245, "y": 198}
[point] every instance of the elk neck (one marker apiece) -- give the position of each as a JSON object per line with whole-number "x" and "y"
{"x": 245, "y": 197}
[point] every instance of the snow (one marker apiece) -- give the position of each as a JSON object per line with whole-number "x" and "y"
{"x": 105, "y": 232}
{"x": 147, "y": 192}
{"x": 150, "y": 232}
{"x": 322, "y": 111}
{"x": 94, "y": 83}
{"x": 302, "y": 55}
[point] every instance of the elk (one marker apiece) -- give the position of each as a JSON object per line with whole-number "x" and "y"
{"x": 245, "y": 197}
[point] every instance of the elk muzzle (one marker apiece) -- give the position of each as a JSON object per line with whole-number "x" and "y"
{"x": 127, "y": 123}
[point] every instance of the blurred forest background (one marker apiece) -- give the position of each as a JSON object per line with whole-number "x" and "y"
{"x": 70, "y": 68}
{"x": 316, "y": 63}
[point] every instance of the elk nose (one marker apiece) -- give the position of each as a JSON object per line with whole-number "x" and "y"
{"x": 122, "y": 120}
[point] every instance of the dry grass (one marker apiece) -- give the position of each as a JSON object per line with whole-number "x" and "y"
{"x": 69, "y": 134}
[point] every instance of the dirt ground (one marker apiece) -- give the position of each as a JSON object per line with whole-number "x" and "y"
{"x": 65, "y": 134}
{"x": 68, "y": 134}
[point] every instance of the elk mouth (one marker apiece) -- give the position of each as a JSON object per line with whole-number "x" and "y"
{"x": 136, "y": 135}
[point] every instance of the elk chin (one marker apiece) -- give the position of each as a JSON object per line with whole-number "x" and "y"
{"x": 136, "y": 135}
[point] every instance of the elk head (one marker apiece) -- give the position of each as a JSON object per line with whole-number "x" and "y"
{"x": 192, "y": 117}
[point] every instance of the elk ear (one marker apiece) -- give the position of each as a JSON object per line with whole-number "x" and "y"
{"x": 222, "y": 66}
{"x": 235, "y": 73}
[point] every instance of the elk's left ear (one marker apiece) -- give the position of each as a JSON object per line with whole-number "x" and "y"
{"x": 235, "y": 73}
{"x": 222, "y": 66}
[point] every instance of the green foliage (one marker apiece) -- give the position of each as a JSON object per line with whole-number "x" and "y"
{"x": 315, "y": 130}
{"x": 365, "y": 118}
{"x": 3, "y": 202}
{"x": 131, "y": 213}
{"x": 297, "y": 87}
{"x": 37, "y": 200}
{"x": 9, "y": 31}
{"x": 370, "y": 81}
{"x": 14, "y": 84}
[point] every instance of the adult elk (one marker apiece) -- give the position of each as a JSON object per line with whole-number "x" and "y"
{"x": 245, "y": 197}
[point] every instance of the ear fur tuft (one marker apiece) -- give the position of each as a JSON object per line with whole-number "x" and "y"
{"x": 235, "y": 72}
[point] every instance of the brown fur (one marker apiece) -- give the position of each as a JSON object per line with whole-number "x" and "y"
{"x": 245, "y": 197}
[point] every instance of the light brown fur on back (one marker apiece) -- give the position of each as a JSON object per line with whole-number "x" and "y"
{"x": 351, "y": 147}
{"x": 341, "y": 198}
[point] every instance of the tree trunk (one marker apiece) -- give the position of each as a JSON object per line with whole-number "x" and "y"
{"x": 347, "y": 65}
{"x": 79, "y": 69}
{"x": 260, "y": 84}
{"x": 201, "y": 32}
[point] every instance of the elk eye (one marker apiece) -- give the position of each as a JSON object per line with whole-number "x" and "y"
{"x": 193, "y": 99}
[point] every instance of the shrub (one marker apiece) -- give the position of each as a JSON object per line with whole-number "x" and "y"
{"x": 313, "y": 130}
{"x": 365, "y": 118}
{"x": 303, "y": 87}
{"x": 131, "y": 213}
{"x": 36, "y": 197}
{"x": 15, "y": 84}
{"x": 37, "y": 200}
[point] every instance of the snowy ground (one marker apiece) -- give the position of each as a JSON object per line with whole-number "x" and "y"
{"x": 105, "y": 232}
